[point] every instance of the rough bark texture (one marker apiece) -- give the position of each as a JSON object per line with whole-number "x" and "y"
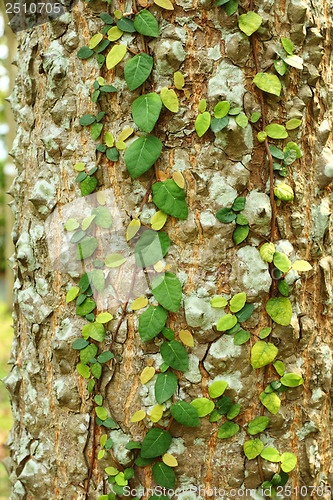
{"x": 50, "y": 443}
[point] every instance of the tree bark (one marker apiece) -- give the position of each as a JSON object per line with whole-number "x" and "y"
{"x": 51, "y": 440}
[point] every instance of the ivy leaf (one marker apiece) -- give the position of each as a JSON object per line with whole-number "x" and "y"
{"x": 239, "y": 204}
{"x": 146, "y": 109}
{"x": 94, "y": 330}
{"x": 257, "y": 425}
{"x": 289, "y": 157}
{"x": 218, "y": 124}
{"x": 114, "y": 260}
{"x": 227, "y": 430}
{"x": 170, "y": 198}
{"x": 284, "y": 192}
{"x": 280, "y": 310}
{"x": 255, "y": 117}
{"x": 225, "y": 215}
{"x": 165, "y": 4}
{"x": 86, "y": 307}
{"x": 84, "y": 53}
{"x": 175, "y": 355}
{"x": 87, "y": 353}
{"x": 83, "y": 370}
{"x": 292, "y": 146}
{"x": 170, "y": 99}
{"x": 221, "y": 109}
{"x": 202, "y": 123}
{"x": 294, "y": 61}
{"x": 242, "y": 120}
{"x": 142, "y": 154}
{"x": 241, "y": 337}
{"x": 216, "y": 389}
{"x": 276, "y": 131}
{"x": 292, "y": 380}
{"x": 79, "y": 344}
{"x": 231, "y": 7}
{"x": 86, "y": 120}
{"x": 240, "y": 234}
{"x": 263, "y": 353}
{"x": 137, "y": 70}
{"x": 253, "y": 448}
{"x": 115, "y": 55}
{"x": 293, "y": 123}
{"x": 138, "y": 416}
{"x": 234, "y": 411}
{"x": 271, "y": 401}
{"x": 249, "y": 22}
{"x": 218, "y": 302}
{"x": 167, "y": 290}
{"x": 288, "y": 462}
{"x": 281, "y": 261}
{"x": 268, "y": 83}
{"x": 265, "y": 332}
{"x": 203, "y": 406}
{"x": 301, "y": 265}
{"x": 158, "y": 220}
{"x": 151, "y": 322}
{"x": 126, "y": 24}
{"x": 105, "y": 357}
{"x": 281, "y": 67}
{"x": 165, "y": 386}
{"x": 72, "y": 294}
{"x": 88, "y": 185}
{"x": 155, "y": 443}
{"x": 279, "y": 367}
{"x": 164, "y": 475}
{"x": 86, "y": 248}
{"x": 139, "y": 303}
{"x": 237, "y": 302}
{"x": 226, "y": 322}
{"x": 146, "y": 24}
{"x": 147, "y": 374}
{"x": 151, "y": 247}
{"x": 287, "y": 45}
{"x": 270, "y": 454}
{"x": 267, "y": 251}
{"x": 185, "y": 414}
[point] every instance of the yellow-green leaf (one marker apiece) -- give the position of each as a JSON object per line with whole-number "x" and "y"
{"x": 169, "y": 460}
{"x": 267, "y": 82}
{"x": 249, "y": 22}
{"x": 138, "y": 416}
{"x": 79, "y": 167}
{"x": 202, "y": 123}
{"x": 118, "y": 14}
{"x": 147, "y": 374}
{"x": 165, "y": 4}
{"x": 111, "y": 471}
{"x": 301, "y": 265}
{"x": 186, "y": 337}
{"x": 271, "y": 401}
{"x": 288, "y": 462}
{"x": 263, "y": 353}
{"x": 253, "y": 448}
{"x": 293, "y": 123}
{"x": 114, "y": 260}
{"x": 226, "y": 322}
{"x": 124, "y": 134}
{"x": 179, "y": 80}
{"x": 216, "y": 389}
{"x": 132, "y": 229}
{"x": 121, "y": 145}
{"x": 139, "y": 303}
{"x": 218, "y": 302}
{"x": 158, "y": 220}
{"x": 170, "y": 99}
{"x": 95, "y": 40}
{"x": 179, "y": 179}
{"x": 156, "y": 413}
{"x": 203, "y": 406}
{"x": 284, "y": 192}
{"x": 116, "y": 54}
{"x": 72, "y": 294}
{"x": 104, "y": 317}
{"x": 267, "y": 252}
{"x": 87, "y": 221}
{"x": 114, "y": 33}
{"x": 109, "y": 139}
{"x": 237, "y": 302}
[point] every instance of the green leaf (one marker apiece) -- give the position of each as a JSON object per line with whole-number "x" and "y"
{"x": 151, "y": 247}
{"x": 293, "y": 123}
{"x": 226, "y": 322}
{"x": 216, "y": 389}
{"x": 103, "y": 217}
{"x": 262, "y": 354}
{"x": 241, "y": 337}
{"x": 280, "y": 67}
{"x": 283, "y": 288}
{"x": 167, "y": 290}
{"x": 281, "y": 261}
{"x": 86, "y": 248}
{"x": 279, "y": 367}
{"x": 87, "y": 120}
{"x": 257, "y": 425}
{"x": 221, "y": 109}
{"x": 146, "y": 24}
{"x": 87, "y": 353}
{"x": 155, "y": 443}
{"x": 231, "y": 7}
{"x": 202, "y": 106}
{"x": 80, "y": 344}
{"x": 240, "y": 234}
{"x": 267, "y": 252}
{"x": 227, "y": 430}
{"x": 101, "y": 413}
{"x": 261, "y": 136}
{"x": 203, "y": 406}
{"x": 242, "y": 120}
{"x": 218, "y": 302}
{"x": 83, "y": 370}
{"x": 146, "y": 110}
{"x": 126, "y": 24}
{"x": 276, "y": 131}
{"x": 137, "y": 70}
{"x": 239, "y": 204}
{"x": 234, "y": 411}
{"x": 270, "y": 454}
{"x": 223, "y": 405}
{"x": 165, "y": 386}
{"x": 112, "y": 154}
{"x": 235, "y": 111}
{"x": 287, "y": 45}
{"x": 84, "y": 53}
{"x": 114, "y": 260}
{"x": 164, "y": 475}
{"x": 72, "y": 294}
{"x": 237, "y": 302}
{"x": 175, "y": 355}
{"x": 133, "y": 445}
{"x": 289, "y": 157}
{"x": 288, "y": 462}
{"x": 168, "y": 333}
{"x": 87, "y": 306}
{"x": 249, "y": 22}
{"x": 151, "y": 322}
{"x": 170, "y": 198}
{"x": 218, "y": 124}
{"x": 142, "y": 154}
{"x": 98, "y": 280}
{"x": 104, "y": 317}
{"x": 284, "y": 192}
{"x": 169, "y": 99}
{"x": 202, "y": 123}
{"x": 265, "y": 332}
{"x": 94, "y": 330}
{"x": 214, "y": 416}
{"x": 225, "y": 215}
{"x": 88, "y": 185}
{"x": 105, "y": 357}
{"x": 280, "y": 310}
{"x": 115, "y": 55}
{"x": 255, "y": 117}
{"x": 271, "y": 401}
{"x": 253, "y": 448}
{"x": 292, "y": 146}
{"x": 245, "y": 313}
{"x": 96, "y": 370}
{"x": 268, "y": 83}
{"x": 185, "y": 414}
{"x": 292, "y": 380}
{"x": 301, "y": 265}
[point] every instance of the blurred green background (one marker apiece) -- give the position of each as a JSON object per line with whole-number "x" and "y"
{"x": 7, "y": 131}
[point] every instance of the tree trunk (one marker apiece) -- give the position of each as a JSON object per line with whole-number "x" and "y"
{"x": 51, "y": 443}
